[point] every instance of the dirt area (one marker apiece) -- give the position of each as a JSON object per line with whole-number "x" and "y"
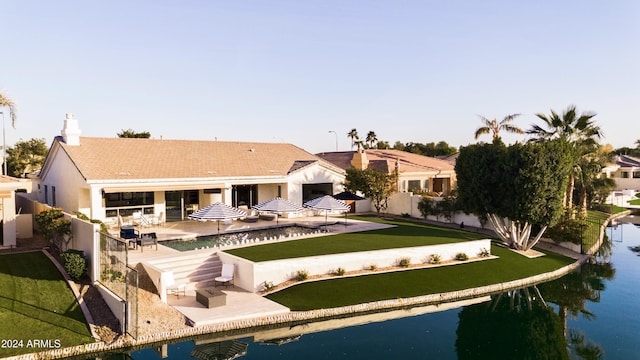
{"x": 154, "y": 316}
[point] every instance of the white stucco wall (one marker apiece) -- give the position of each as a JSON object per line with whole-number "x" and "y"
{"x": 315, "y": 174}
{"x": 252, "y": 276}
{"x": 62, "y": 174}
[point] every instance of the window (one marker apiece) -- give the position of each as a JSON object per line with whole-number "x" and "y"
{"x": 636, "y": 174}
{"x": 53, "y": 196}
{"x": 128, "y": 199}
{"x": 414, "y": 185}
{"x": 625, "y": 175}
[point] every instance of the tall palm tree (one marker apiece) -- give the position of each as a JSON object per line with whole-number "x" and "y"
{"x": 578, "y": 129}
{"x": 371, "y": 139}
{"x": 353, "y": 135}
{"x": 6, "y": 102}
{"x": 494, "y": 127}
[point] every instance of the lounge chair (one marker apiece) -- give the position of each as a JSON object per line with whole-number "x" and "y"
{"x": 130, "y": 234}
{"x": 147, "y": 239}
{"x": 226, "y": 278}
{"x": 174, "y": 288}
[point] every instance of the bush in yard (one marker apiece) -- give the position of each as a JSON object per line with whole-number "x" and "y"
{"x": 268, "y": 286}
{"x": 434, "y": 259}
{"x": 484, "y": 253}
{"x": 74, "y": 263}
{"x": 339, "y": 271}
{"x": 404, "y": 262}
{"x": 302, "y": 275}
{"x": 462, "y": 256}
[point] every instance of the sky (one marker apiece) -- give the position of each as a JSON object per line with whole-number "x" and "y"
{"x": 307, "y": 72}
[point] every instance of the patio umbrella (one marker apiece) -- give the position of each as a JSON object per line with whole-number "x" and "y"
{"x": 277, "y": 206}
{"x": 217, "y": 212}
{"x": 328, "y": 203}
{"x": 347, "y": 195}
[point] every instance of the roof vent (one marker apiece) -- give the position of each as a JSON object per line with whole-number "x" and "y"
{"x": 252, "y": 150}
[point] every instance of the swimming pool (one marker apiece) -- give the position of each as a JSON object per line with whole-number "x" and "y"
{"x": 241, "y": 237}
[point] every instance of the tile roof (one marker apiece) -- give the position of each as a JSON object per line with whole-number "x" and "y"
{"x": 409, "y": 162}
{"x": 130, "y": 158}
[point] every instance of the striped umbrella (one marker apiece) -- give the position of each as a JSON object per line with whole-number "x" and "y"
{"x": 217, "y": 212}
{"x": 277, "y": 206}
{"x": 327, "y": 203}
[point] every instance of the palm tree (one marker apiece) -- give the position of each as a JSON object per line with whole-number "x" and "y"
{"x": 353, "y": 135}
{"x": 6, "y": 102}
{"x": 578, "y": 130}
{"x": 494, "y": 127}
{"x": 371, "y": 139}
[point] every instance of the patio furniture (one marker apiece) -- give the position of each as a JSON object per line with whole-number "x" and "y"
{"x": 130, "y": 234}
{"x": 174, "y": 288}
{"x": 147, "y": 239}
{"x": 211, "y": 297}
{"x": 226, "y": 277}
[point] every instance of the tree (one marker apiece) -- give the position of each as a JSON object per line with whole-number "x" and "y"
{"x": 382, "y": 145}
{"x": 494, "y": 127}
{"x": 519, "y": 187}
{"x": 376, "y": 185}
{"x": 579, "y": 130}
{"x": 353, "y": 135}
{"x": 129, "y": 133}
{"x": 371, "y": 139}
{"x": 8, "y": 103}
{"x": 26, "y": 157}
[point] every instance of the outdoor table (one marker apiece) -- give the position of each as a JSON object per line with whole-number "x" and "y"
{"x": 211, "y": 297}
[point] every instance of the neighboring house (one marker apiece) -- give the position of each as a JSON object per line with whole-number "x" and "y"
{"x": 416, "y": 173}
{"x": 626, "y": 172}
{"x": 9, "y": 219}
{"x": 107, "y": 177}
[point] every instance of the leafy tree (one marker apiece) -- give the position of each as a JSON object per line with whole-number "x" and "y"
{"x": 517, "y": 186}
{"x": 427, "y": 206}
{"x": 5, "y": 101}
{"x": 398, "y": 145}
{"x": 26, "y": 157}
{"x": 494, "y": 127}
{"x": 129, "y": 133}
{"x": 353, "y": 135}
{"x": 371, "y": 139}
{"x": 579, "y": 130}
{"x": 429, "y": 149}
{"x": 376, "y": 185}
{"x": 382, "y": 145}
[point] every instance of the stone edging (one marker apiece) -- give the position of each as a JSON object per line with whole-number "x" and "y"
{"x": 294, "y": 316}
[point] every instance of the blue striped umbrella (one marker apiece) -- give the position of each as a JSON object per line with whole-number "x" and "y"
{"x": 217, "y": 212}
{"x": 328, "y": 203}
{"x": 277, "y": 206}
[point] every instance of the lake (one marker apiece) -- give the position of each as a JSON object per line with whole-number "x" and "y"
{"x": 590, "y": 314}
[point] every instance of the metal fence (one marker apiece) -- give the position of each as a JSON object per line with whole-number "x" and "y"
{"x": 118, "y": 277}
{"x": 591, "y": 234}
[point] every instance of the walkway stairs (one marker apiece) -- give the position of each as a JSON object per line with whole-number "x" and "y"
{"x": 196, "y": 270}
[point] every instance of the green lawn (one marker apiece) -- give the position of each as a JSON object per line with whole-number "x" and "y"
{"x": 355, "y": 290}
{"x": 37, "y": 304}
{"x": 406, "y": 234}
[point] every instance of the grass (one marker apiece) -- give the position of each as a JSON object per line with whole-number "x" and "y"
{"x": 36, "y": 303}
{"x": 634, "y": 202}
{"x": 406, "y": 234}
{"x": 355, "y": 290}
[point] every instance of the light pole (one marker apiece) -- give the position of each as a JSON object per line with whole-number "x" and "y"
{"x": 336, "y": 134}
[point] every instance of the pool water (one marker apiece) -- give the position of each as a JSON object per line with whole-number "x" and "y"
{"x": 241, "y": 237}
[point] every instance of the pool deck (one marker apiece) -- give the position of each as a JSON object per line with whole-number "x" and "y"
{"x": 240, "y": 304}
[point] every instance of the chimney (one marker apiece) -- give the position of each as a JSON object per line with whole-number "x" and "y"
{"x": 359, "y": 160}
{"x": 71, "y": 131}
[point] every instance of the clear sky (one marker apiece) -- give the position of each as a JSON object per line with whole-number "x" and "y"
{"x": 291, "y": 71}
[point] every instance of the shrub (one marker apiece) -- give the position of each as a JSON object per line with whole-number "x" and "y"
{"x": 373, "y": 267}
{"x": 570, "y": 230}
{"x": 405, "y": 215}
{"x": 461, "y": 256}
{"x": 268, "y": 285}
{"x": 484, "y": 253}
{"x": 434, "y": 259}
{"x": 302, "y": 275}
{"x": 404, "y": 262}
{"x": 74, "y": 263}
{"x": 339, "y": 271}
{"x": 112, "y": 275}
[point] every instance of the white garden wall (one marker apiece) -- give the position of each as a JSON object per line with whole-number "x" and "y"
{"x": 252, "y": 276}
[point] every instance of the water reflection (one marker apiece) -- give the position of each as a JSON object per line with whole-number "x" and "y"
{"x": 550, "y": 320}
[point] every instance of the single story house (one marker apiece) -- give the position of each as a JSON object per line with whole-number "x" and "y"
{"x": 107, "y": 178}
{"x": 625, "y": 171}
{"x": 416, "y": 173}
